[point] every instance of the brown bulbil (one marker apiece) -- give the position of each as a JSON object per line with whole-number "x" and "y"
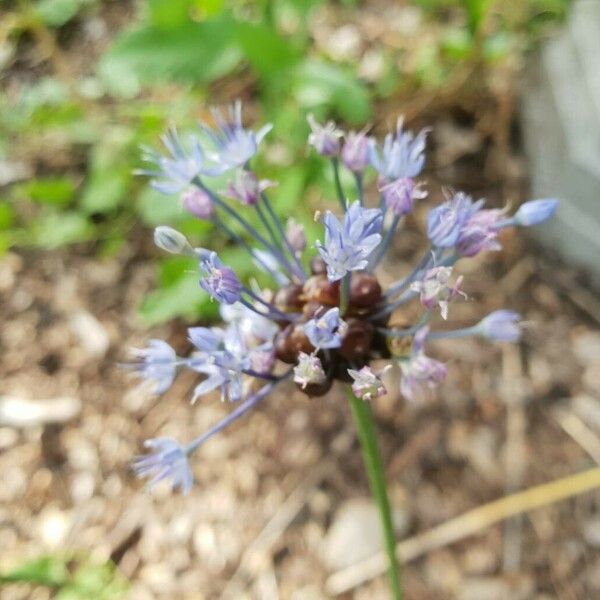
{"x": 289, "y": 298}
{"x": 316, "y": 389}
{"x": 319, "y": 289}
{"x": 365, "y": 291}
{"x": 290, "y": 342}
{"x": 357, "y": 341}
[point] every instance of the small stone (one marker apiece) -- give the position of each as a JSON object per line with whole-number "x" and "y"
{"x": 92, "y": 335}
{"x": 591, "y": 532}
{"x": 19, "y": 412}
{"x": 591, "y": 379}
{"x": 587, "y": 348}
{"x": 355, "y": 533}
{"x": 587, "y": 409}
{"x": 54, "y": 526}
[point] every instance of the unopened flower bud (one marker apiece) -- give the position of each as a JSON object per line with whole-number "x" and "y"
{"x": 171, "y": 240}
{"x": 295, "y": 236}
{"x": 535, "y": 212}
{"x": 501, "y": 326}
{"x": 198, "y": 203}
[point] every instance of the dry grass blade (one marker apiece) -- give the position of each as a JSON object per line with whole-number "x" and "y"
{"x": 467, "y": 524}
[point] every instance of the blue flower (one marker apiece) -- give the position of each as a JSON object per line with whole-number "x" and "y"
{"x": 420, "y": 370}
{"x": 325, "y": 139}
{"x": 400, "y": 195}
{"x": 174, "y": 172}
{"x": 309, "y": 370}
{"x": 348, "y": 246}
{"x": 355, "y": 152}
{"x": 501, "y": 326}
{"x": 219, "y": 281}
{"x": 222, "y": 360}
{"x": 402, "y": 155}
{"x": 368, "y": 385}
{"x": 246, "y": 188}
{"x": 535, "y": 212}
{"x": 233, "y": 145}
{"x": 168, "y": 460}
{"x": 157, "y": 364}
{"x": 326, "y": 331}
{"x": 445, "y": 222}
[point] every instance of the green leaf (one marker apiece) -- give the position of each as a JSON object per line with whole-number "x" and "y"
{"x": 457, "y": 43}
{"x": 110, "y": 173}
{"x": 59, "y": 229}
{"x": 46, "y": 570}
{"x": 190, "y": 53}
{"x": 168, "y": 14}
{"x": 184, "y": 298}
{"x": 58, "y": 12}
{"x": 105, "y": 189}
{"x": 268, "y": 53}
{"x": 155, "y": 208}
{"x": 57, "y": 191}
{"x": 7, "y": 215}
{"x": 320, "y": 84}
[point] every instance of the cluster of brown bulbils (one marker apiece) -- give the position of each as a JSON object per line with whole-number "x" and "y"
{"x": 361, "y": 342}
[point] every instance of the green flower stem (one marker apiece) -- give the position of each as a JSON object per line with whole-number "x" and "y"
{"x": 338, "y": 183}
{"x": 361, "y": 411}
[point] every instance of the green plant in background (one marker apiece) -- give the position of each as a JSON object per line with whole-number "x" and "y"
{"x": 69, "y": 142}
{"x": 70, "y": 578}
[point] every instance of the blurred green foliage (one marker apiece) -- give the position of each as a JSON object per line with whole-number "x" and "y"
{"x": 70, "y": 131}
{"x": 70, "y": 578}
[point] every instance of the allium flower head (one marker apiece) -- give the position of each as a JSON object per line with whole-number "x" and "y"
{"x": 309, "y": 370}
{"x": 355, "y": 152}
{"x": 326, "y": 331}
{"x": 435, "y": 290}
{"x": 233, "y": 145}
{"x": 167, "y": 461}
{"x": 328, "y": 317}
{"x": 367, "y": 385}
{"x": 325, "y": 139}
{"x": 198, "y": 202}
{"x": 219, "y": 281}
{"x": 400, "y": 195}
{"x": 174, "y": 172}
{"x": 157, "y": 363}
{"x": 501, "y": 326}
{"x": 402, "y": 154}
{"x": 535, "y": 212}
{"x": 348, "y": 245}
{"x": 246, "y": 188}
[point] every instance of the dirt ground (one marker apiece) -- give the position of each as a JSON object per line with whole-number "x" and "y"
{"x": 281, "y": 500}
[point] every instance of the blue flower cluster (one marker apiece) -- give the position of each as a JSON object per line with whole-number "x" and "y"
{"x": 326, "y": 316}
